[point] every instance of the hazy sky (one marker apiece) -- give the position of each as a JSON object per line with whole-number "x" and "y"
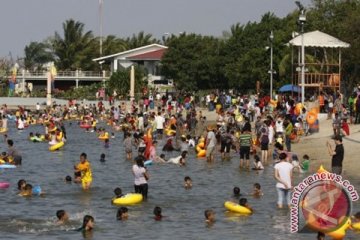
{"x": 22, "y": 21}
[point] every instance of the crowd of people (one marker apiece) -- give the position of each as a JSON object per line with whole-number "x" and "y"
{"x": 259, "y": 131}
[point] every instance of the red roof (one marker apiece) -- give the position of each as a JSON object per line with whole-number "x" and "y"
{"x": 153, "y": 55}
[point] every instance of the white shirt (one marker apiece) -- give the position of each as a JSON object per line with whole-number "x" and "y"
{"x": 271, "y": 134}
{"x": 211, "y": 138}
{"x": 259, "y": 165}
{"x": 20, "y": 124}
{"x": 279, "y": 126}
{"x": 37, "y": 106}
{"x": 284, "y": 169}
{"x": 159, "y": 120}
{"x": 139, "y": 175}
{"x": 175, "y": 160}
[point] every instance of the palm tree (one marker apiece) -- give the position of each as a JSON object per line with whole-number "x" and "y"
{"x": 139, "y": 40}
{"x": 36, "y": 55}
{"x": 75, "y": 49}
{"x": 112, "y": 44}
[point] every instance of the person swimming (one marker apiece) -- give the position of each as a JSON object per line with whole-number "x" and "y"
{"x": 236, "y": 192}
{"x": 88, "y": 224}
{"x": 257, "y": 190}
{"x": 27, "y": 191}
{"x": 122, "y": 213}
{"x": 180, "y": 160}
{"x": 244, "y": 203}
{"x": 118, "y": 193}
{"x": 68, "y": 179}
{"x": 21, "y": 184}
{"x": 187, "y": 182}
{"x": 157, "y": 213}
{"x": 209, "y": 216}
{"x": 62, "y": 216}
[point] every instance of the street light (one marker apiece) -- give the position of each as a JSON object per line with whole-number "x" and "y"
{"x": 271, "y": 64}
{"x": 302, "y": 21}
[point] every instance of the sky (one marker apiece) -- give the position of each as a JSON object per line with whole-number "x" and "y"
{"x": 23, "y": 21}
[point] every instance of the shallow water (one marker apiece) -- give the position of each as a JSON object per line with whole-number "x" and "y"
{"x": 34, "y": 218}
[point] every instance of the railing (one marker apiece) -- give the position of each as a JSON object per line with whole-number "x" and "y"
{"x": 319, "y": 79}
{"x": 63, "y": 75}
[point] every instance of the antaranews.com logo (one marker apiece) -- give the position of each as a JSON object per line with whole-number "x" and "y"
{"x": 322, "y": 202}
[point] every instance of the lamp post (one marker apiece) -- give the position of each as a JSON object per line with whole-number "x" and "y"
{"x": 271, "y": 64}
{"x": 101, "y": 25}
{"x": 302, "y": 21}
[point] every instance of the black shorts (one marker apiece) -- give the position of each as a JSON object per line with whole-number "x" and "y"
{"x": 245, "y": 153}
{"x": 142, "y": 188}
{"x": 264, "y": 146}
{"x": 142, "y": 149}
{"x": 225, "y": 146}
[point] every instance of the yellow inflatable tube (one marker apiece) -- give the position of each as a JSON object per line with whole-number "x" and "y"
{"x": 2, "y": 130}
{"x": 128, "y": 199}
{"x": 234, "y": 207}
{"x": 56, "y": 146}
{"x": 104, "y": 136}
{"x": 60, "y": 137}
{"x": 356, "y": 226}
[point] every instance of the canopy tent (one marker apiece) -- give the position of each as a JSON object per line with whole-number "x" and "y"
{"x": 318, "y": 39}
{"x": 323, "y": 74}
{"x": 289, "y": 88}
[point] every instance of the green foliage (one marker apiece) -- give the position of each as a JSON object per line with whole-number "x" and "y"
{"x": 194, "y": 62}
{"x": 82, "y": 92}
{"x": 120, "y": 81}
{"x": 36, "y": 55}
{"x": 75, "y": 49}
{"x": 139, "y": 40}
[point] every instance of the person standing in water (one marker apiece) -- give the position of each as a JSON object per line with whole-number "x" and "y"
{"x": 84, "y": 168}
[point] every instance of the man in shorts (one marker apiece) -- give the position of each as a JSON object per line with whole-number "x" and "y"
{"x": 210, "y": 144}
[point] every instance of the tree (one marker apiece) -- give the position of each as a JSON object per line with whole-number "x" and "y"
{"x": 120, "y": 81}
{"x": 139, "y": 40}
{"x": 36, "y": 55}
{"x": 194, "y": 62}
{"x": 75, "y": 49}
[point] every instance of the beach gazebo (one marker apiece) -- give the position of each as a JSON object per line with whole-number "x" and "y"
{"x": 324, "y": 71}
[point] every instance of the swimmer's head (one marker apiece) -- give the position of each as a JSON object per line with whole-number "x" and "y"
{"x": 257, "y": 186}
{"x": 62, "y": 215}
{"x": 21, "y": 184}
{"x": 88, "y": 222}
{"x": 157, "y": 211}
{"x": 187, "y": 178}
{"x": 306, "y": 157}
{"x": 122, "y": 213}
{"x": 118, "y": 192}
{"x": 209, "y": 214}
{"x": 162, "y": 156}
{"x": 236, "y": 191}
{"x": 257, "y": 158}
{"x": 68, "y": 179}
{"x": 242, "y": 202}
{"x": 282, "y": 156}
{"x": 102, "y": 156}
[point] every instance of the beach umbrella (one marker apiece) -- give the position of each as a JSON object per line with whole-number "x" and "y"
{"x": 290, "y": 88}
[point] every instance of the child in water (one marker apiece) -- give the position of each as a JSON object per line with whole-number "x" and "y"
{"x": 157, "y": 212}
{"x": 187, "y": 182}
{"x": 62, "y": 216}
{"x": 180, "y": 160}
{"x": 236, "y": 192}
{"x": 257, "y": 190}
{"x": 68, "y": 179}
{"x": 88, "y": 223}
{"x": 102, "y": 157}
{"x": 21, "y": 185}
{"x": 84, "y": 168}
{"x": 257, "y": 163}
{"x": 122, "y": 213}
{"x": 27, "y": 191}
{"x": 118, "y": 193}
{"x": 244, "y": 203}
{"x": 209, "y": 216}
{"x": 356, "y": 218}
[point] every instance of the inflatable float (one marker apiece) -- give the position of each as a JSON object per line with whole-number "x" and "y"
{"x": 7, "y": 166}
{"x": 56, "y": 146}
{"x": 128, "y": 199}
{"x": 148, "y": 163}
{"x": 200, "y": 148}
{"x": 234, "y": 207}
{"x": 4, "y": 185}
{"x": 104, "y": 136}
{"x": 3, "y": 130}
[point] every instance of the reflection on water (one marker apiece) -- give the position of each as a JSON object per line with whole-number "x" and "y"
{"x": 34, "y": 218}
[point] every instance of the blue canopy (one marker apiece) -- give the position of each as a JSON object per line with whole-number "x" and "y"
{"x": 290, "y": 88}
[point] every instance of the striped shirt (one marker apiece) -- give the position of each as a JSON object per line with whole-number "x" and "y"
{"x": 245, "y": 140}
